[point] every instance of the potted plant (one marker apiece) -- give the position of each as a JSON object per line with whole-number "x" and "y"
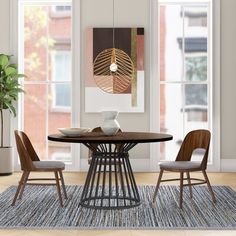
{"x": 9, "y": 89}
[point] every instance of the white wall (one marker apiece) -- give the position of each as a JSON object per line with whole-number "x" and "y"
{"x": 228, "y": 79}
{"x": 136, "y": 13}
{"x": 128, "y": 13}
{"x": 5, "y": 29}
{"x": 5, "y": 48}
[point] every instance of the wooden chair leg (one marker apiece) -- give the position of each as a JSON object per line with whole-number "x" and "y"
{"x": 190, "y": 186}
{"x": 24, "y": 183}
{"x": 181, "y": 189}
{"x": 18, "y": 188}
{"x": 63, "y": 184}
{"x": 209, "y": 186}
{"x": 157, "y": 186}
{"x": 58, "y": 188}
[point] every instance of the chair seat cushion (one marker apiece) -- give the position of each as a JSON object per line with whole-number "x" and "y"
{"x": 180, "y": 165}
{"x": 49, "y": 165}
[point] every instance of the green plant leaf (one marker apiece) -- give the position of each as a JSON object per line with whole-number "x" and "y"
{"x": 11, "y": 108}
{"x": 20, "y": 76}
{"x": 10, "y": 71}
{"x": 4, "y": 60}
{"x": 9, "y": 86}
{"x": 13, "y": 65}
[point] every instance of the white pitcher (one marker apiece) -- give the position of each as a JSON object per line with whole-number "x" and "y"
{"x": 110, "y": 126}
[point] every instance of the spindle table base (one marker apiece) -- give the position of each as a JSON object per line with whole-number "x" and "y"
{"x": 110, "y": 183}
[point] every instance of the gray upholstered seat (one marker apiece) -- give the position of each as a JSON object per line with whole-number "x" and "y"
{"x": 49, "y": 164}
{"x": 180, "y": 165}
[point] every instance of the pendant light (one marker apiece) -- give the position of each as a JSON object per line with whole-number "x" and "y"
{"x": 113, "y": 69}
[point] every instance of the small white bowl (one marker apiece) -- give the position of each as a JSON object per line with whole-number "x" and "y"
{"x": 74, "y": 132}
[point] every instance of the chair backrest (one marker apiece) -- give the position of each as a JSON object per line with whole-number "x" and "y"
{"x": 192, "y": 141}
{"x": 26, "y": 151}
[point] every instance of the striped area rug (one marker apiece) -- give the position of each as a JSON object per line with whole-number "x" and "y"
{"x": 40, "y": 209}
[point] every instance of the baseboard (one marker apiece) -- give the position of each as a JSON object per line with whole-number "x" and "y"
{"x": 138, "y": 165}
{"x": 143, "y": 165}
{"x": 228, "y": 165}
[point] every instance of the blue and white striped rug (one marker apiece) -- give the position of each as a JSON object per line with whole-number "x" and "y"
{"x": 40, "y": 209}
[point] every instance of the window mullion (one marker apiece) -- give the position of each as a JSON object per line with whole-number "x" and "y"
{"x": 47, "y": 90}
{"x": 183, "y": 79}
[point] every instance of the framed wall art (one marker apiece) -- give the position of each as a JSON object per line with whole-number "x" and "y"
{"x": 114, "y": 69}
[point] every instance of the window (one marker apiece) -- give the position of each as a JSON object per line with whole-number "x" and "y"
{"x": 65, "y": 157}
{"x": 184, "y": 70}
{"x": 185, "y": 80}
{"x": 62, "y": 8}
{"x": 196, "y": 18}
{"x": 45, "y": 57}
{"x": 61, "y": 62}
{"x": 60, "y": 11}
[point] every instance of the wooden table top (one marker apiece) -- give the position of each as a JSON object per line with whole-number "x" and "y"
{"x": 121, "y": 137}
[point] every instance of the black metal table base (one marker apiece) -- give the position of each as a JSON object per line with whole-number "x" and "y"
{"x": 110, "y": 182}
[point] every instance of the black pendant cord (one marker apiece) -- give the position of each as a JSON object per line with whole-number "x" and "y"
{"x": 113, "y": 29}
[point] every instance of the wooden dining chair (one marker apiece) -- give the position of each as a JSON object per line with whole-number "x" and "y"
{"x": 90, "y": 153}
{"x": 30, "y": 162}
{"x": 196, "y": 139}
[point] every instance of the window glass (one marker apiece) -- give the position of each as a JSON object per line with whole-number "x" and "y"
{"x": 63, "y": 8}
{"x": 46, "y": 49}
{"x": 61, "y": 72}
{"x": 184, "y": 76}
{"x": 196, "y": 68}
{"x": 171, "y": 50}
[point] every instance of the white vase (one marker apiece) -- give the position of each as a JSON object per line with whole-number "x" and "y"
{"x": 110, "y": 126}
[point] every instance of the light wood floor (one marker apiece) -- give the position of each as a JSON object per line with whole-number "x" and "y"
{"x": 228, "y": 179}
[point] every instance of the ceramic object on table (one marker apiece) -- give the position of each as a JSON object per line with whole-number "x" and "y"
{"x": 74, "y": 132}
{"x": 110, "y": 125}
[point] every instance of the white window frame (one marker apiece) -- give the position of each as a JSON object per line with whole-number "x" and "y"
{"x": 63, "y": 11}
{"x": 58, "y": 156}
{"x": 55, "y": 13}
{"x": 75, "y": 41}
{"x": 55, "y": 107}
{"x": 155, "y": 83}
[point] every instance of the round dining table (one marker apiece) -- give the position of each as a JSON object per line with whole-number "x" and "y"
{"x": 110, "y": 182}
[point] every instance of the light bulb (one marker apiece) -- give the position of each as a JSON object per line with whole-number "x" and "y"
{"x": 113, "y": 67}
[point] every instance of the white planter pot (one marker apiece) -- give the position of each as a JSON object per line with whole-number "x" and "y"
{"x": 110, "y": 126}
{"x": 6, "y": 161}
